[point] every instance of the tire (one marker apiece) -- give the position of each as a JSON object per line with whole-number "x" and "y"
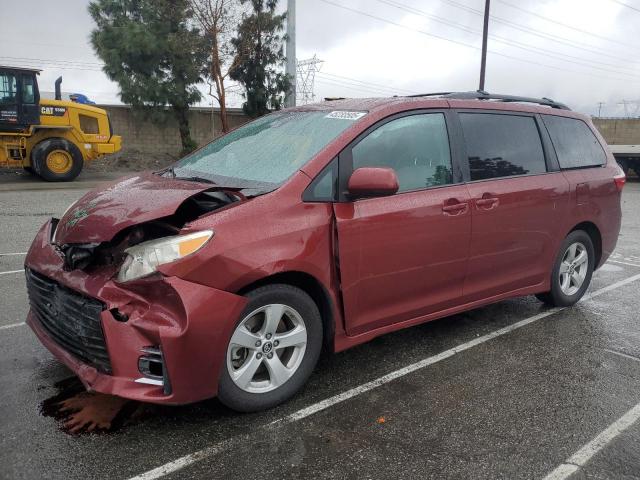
{"x": 260, "y": 388}
{"x": 29, "y": 170}
{"x": 566, "y": 288}
{"x": 56, "y": 160}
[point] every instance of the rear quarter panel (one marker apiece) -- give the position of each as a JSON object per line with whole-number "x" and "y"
{"x": 595, "y": 197}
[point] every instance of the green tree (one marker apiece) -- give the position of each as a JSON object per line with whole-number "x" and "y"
{"x": 259, "y": 44}
{"x": 154, "y": 53}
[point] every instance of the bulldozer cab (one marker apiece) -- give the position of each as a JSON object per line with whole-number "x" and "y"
{"x": 19, "y": 99}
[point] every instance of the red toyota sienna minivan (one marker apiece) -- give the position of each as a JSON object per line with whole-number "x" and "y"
{"x": 324, "y": 225}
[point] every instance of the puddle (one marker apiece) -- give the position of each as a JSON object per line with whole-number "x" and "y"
{"x": 79, "y": 412}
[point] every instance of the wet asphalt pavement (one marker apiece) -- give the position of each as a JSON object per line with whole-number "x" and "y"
{"x": 514, "y": 406}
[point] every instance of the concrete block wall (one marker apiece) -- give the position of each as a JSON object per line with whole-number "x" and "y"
{"x": 161, "y": 139}
{"x": 619, "y": 131}
{"x": 149, "y": 144}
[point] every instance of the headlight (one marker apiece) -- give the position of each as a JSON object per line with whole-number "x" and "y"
{"x": 144, "y": 258}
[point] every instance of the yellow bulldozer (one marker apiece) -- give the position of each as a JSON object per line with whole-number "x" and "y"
{"x": 49, "y": 138}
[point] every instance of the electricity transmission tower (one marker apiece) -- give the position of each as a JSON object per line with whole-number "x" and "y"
{"x": 631, "y": 107}
{"x": 306, "y": 73}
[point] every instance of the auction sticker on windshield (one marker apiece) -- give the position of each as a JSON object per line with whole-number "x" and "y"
{"x": 344, "y": 115}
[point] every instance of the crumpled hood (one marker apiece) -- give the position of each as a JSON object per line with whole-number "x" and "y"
{"x": 103, "y": 212}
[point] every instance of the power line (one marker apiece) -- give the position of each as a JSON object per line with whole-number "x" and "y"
{"x": 457, "y": 42}
{"x": 635, "y": 47}
{"x": 562, "y": 40}
{"x": 360, "y": 12}
{"x": 354, "y": 86}
{"x": 346, "y": 82}
{"x": 60, "y": 67}
{"x": 504, "y": 40}
{"x": 435, "y": 18}
{"x": 626, "y": 5}
{"x": 532, "y": 31}
{"x": 383, "y": 91}
{"x": 71, "y": 62}
{"x": 369, "y": 83}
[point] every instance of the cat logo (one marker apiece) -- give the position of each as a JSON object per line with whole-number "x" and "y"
{"x": 53, "y": 111}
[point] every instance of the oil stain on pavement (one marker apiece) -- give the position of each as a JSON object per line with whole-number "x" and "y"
{"x": 78, "y": 411}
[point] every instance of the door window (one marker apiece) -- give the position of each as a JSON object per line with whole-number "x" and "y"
{"x": 574, "y": 142}
{"x": 502, "y": 145}
{"x": 28, "y": 92}
{"x": 416, "y": 147}
{"x": 8, "y": 89}
{"x": 89, "y": 124}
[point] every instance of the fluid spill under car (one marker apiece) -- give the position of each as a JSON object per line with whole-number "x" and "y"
{"x": 329, "y": 224}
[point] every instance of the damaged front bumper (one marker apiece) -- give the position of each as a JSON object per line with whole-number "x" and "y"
{"x": 165, "y": 337}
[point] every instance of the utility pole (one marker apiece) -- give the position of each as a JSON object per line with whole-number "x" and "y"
{"x": 290, "y": 97}
{"x": 600, "y": 104}
{"x": 485, "y": 31}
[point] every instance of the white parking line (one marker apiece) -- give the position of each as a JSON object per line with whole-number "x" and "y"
{"x": 582, "y": 456}
{"x": 624, "y": 355}
{"x": 625, "y": 263}
{"x": 11, "y": 325}
{"x": 12, "y": 254}
{"x": 212, "y": 450}
{"x": 12, "y": 271}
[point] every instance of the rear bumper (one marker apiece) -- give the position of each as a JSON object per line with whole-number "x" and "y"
{"x": 189, "y": 322}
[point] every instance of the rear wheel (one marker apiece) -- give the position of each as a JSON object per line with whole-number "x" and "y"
{"x": 273, "y": 349}
{"x": 572, "y": 270}
{"x": 56, "y": 160}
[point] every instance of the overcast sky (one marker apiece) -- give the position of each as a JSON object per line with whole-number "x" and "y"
{"x": 580, "y": 52}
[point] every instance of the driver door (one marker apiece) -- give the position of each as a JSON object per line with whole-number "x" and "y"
{"x": 8, "y": 99}
{"x": 405, "y": 255}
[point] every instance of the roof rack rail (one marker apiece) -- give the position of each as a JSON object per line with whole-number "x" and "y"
{"x": 482, "y": 95}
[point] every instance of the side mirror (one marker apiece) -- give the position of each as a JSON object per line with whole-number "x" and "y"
{"x": 372, "y": 182}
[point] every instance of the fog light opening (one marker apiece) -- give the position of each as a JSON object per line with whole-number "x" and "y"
{"x": 151, "y": 366}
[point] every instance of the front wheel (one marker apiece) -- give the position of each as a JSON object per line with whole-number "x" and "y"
{"x": 572, "y": 270}
{"x": 273, "y": 349}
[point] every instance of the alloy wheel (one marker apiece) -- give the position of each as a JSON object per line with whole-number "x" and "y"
{"x": 573, "y": 268}
{"x": 266, "y": 348}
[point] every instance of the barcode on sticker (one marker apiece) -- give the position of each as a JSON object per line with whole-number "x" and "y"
{"x": 344, "y": 115}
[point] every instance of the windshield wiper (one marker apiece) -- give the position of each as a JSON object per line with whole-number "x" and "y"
{"x": 167, "y": 170}
{"x": 194, "y": 179}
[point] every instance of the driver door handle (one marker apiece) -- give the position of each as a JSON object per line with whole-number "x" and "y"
{"x": 487, "y": 202}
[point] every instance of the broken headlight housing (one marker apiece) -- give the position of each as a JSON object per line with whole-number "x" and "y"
{"x": 143, "y": 259}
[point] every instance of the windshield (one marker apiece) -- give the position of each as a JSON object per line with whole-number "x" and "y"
{"x": 268, "y": 150}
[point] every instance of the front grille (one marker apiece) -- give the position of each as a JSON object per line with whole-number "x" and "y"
{"x": 71, "y": 319}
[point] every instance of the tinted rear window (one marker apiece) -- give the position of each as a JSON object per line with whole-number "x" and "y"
{"x": 502, "y": 145}
{"x": 574, "y": 142}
